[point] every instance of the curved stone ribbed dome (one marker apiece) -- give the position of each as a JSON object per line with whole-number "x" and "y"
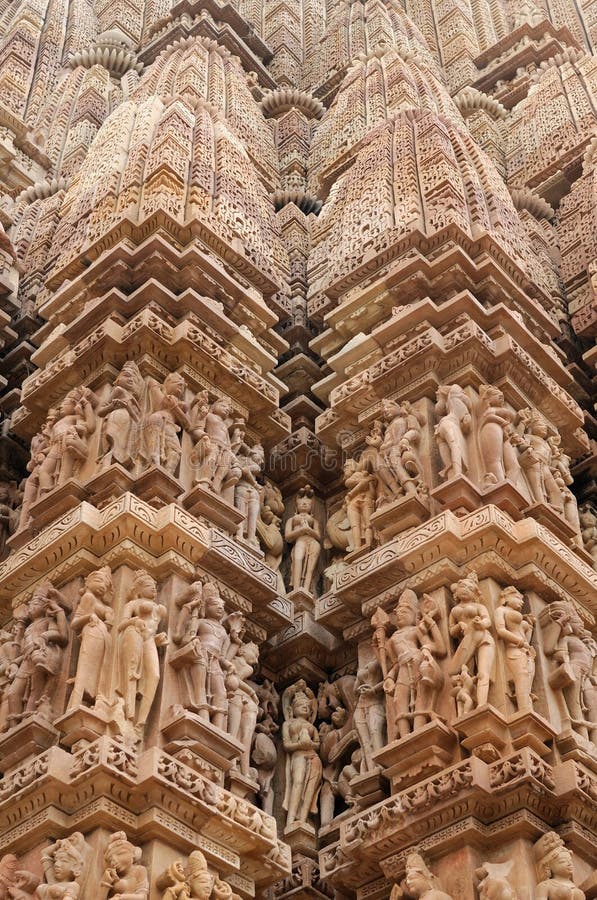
{"x": 416, "y": 175}
{"x": 376, "y": 86}
{"x": 200, "y": 69}
{"x": 354, "y": 28}
{"x": 160, "y": 157}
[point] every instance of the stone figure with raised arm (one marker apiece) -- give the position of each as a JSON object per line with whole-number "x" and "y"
{"x": 515, "y": 631}
{"x": 213, "y": 459}
{"x": 64, "y": 868}
{"x": 42, "y": 635}
{"x": 470, "y": 624}
{"x": 93, "y": 619}
{"x": 124, "y": 877}
{"x": 408, "y": 659}
{"x": 400, "y": 470}
{"x": 555, "y": 870}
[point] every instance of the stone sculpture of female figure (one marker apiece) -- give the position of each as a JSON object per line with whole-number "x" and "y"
{"x": 359, "y": 502}
{"x": 470, "y": 624}
{"x": 138, "y": 640}
{"x": 302, "y": 530}
{"x": 301, "y": 743}
{"x": 124, "y": 877}
{"x": 369, "y": 713}
{"x": 555, "y": 870}
{"x": 121, "y": 414}
{"x": 535, "y": 457}
{"x": 515, "y": 630}
{"x": 454, "y": 407}
{"x": 93, "y": 618}
{"x": 63, "y": 864}
{"x": 68, "y": 439}
{"x": 495, "y": 423}
{"x": 243, "y": 702}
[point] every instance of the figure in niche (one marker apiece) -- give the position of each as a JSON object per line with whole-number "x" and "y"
{"x": 454, "y": 408}
{"x": 215, "y": 464}
{"x": 359, "y": 502}
{"x": 400, "y": 470}
{"x": 64, "y": 868}
{"x": 29, "y": 487}
{"x": 515, "y": 630}
{"x": 560, "y": 466}
{"x": 121, "y": 415}
{"x": 247, "y": 490}
{"x": 203, "y": 665}
{"x": 588, "y": 523}
{"x": 10, "y": 657}
{"x": 470, "y": 624}
{"x": 495, "y": 430}
{"x": 265, "y": 754}
{"x": 160, "y": 428}
{"x": 16, "y": 883}
{"x": 93, "y": 618}
{"x": 303, "y": 531}
{"x": 369, "y": 715}
{"x": 9, "y": 517}
{"x": 271, "y": 540}
{"x": 138, "y": 642}
{"x": 301, "y": 743}
{"x": 42, "y": 634}
{"x": 419, "y": 882}
{"x": 535, "y": 457}
{"x": 408, "y": 659}
{"x": 333, "y": 753}
{"x": 193, "y": 883}
{"x": 555, "y": 870}
{"x": 243, "y": 702}
{"x": 574, "y": 650}
{"x": 124, "y": 878}
{"x": 68, "y": 439}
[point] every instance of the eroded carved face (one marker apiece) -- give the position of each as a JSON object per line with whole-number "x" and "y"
{"x": 304, "y": 504}
{"x": 120, "y": 856}
{"x": 214, "y": 605}
{"x": 560, "y": 862}
{"x": 301, "y": 706}
{"x": 405, "y": 615}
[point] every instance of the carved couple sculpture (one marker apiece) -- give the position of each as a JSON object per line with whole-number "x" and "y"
{"x": 408, "y": 657}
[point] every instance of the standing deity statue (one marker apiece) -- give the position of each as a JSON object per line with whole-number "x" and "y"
{"x": 498, "y": 456}
{"x": 161, "y": 426}
{"x": 121, "y": 414}
{"x": 588, "y": 524}
{"x": 124, "y": 878}
{"x": 214, "y": 461}
{"x": 419, "y": 882}
{"x": 359, "y": 502}
{"x": 204, "y": 655}
{"x": 535, "y": 458}
{"x": 574, "y": 650}
{"x": 243, "y": 702}
{"x": 300, "y": 739}
{"x": 10, "y": 658}
{"x": 30, "y": 487}
{"x": 138, "y": 642}
{"x": 303, "y": 531}
{"x": 470, "y": 624}
{"x": 9, "y": 517}
{"x": 555, "y": 870}
{"x": 400, "y": 470}
{"x": 515, "y": 630}
{"x": 454, "y": 408}
{"x": 408, "y": 659}
{"x": 247, "y": 490}
{"x": 68, "y": 439}
{"x": 93, "y": 618}
{"x": 64, "y": 865}
{"x": 560, "y": 467}
{"x": 42, "y": 635}
{"x": 369, "y": 715}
